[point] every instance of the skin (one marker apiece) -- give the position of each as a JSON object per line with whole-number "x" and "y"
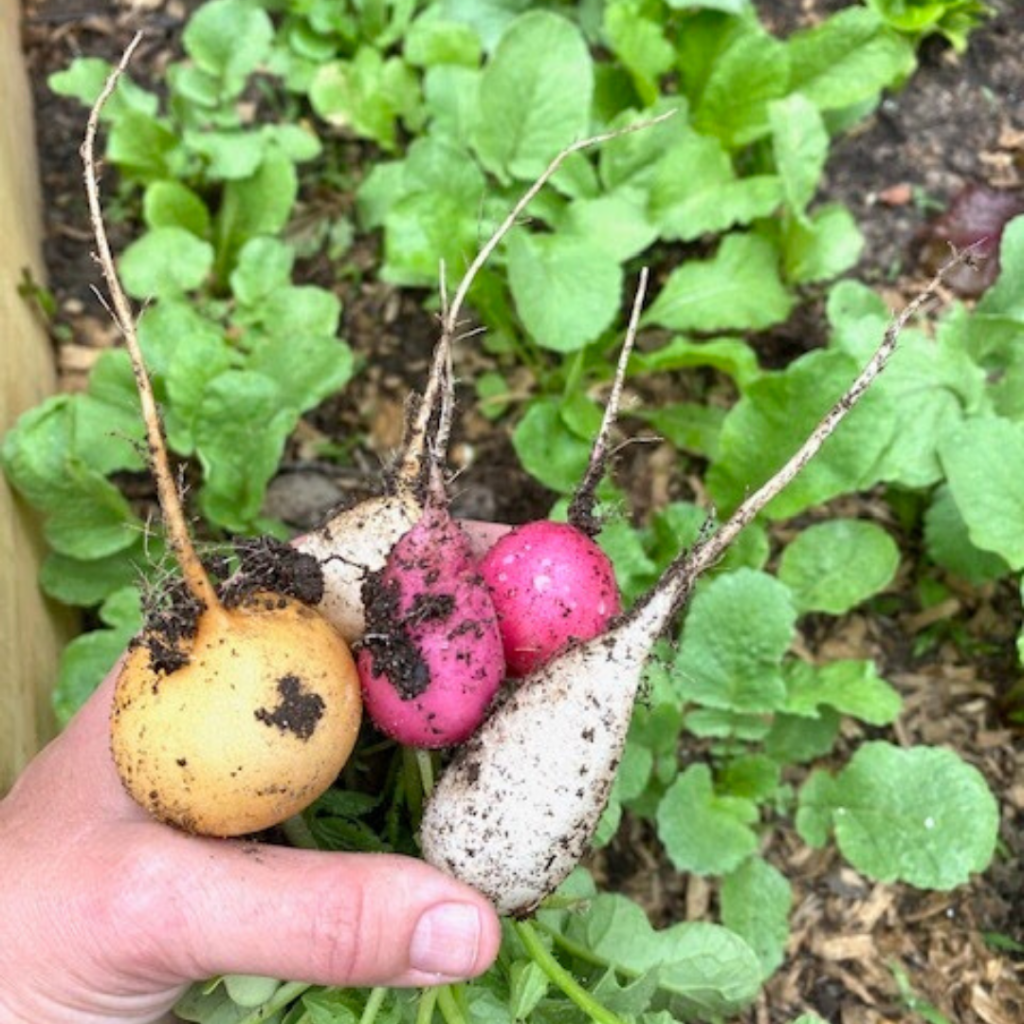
{"x": 108, "y": 916}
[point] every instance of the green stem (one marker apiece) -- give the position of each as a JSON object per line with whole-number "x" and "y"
{"x": 426, "y": 767}
{"x": 373, "y": 1005}
{"x": 575, "y": 375}
{"x": 425, "y": 1009}
{"x": 449, "y": 1007}
{"x": 280, "y": 999}
{"x": 542, "y": 957}
{"x": 412, "y": 783}
{"x": 298, "y": 833}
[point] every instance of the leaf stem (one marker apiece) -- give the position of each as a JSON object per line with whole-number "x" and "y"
{"x": 373, "y": 1005}
{"x": 425, "y": 1008}
{"x": 196, "y": 578}
{"x": 581, "y": 507}
{"x": 542, "y": 957}
{"x": 449, "y": 1006}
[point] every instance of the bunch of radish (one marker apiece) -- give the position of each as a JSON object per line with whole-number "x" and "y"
{"x": 245, "y": 716}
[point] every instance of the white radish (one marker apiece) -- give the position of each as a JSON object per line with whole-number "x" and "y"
{"x": 517, "y": 807}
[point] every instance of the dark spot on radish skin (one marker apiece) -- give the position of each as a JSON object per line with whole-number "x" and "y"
{"x": 298, "y": 712}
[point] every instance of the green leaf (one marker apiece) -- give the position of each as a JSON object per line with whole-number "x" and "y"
{"x": 639, "y": 43}
{"x": 89, "y": 582}
{"x": 143, "y": 148}
{"x": 737, "y": 630}
{"x": 85, "y": 515}
{"x": 535, "y": 95}
{"x": 688, "y": 426}
{"x": 566, "y": 291}
{"x": 745, "y": 78}
{"x": 795, "y": 739}
{"x": 695, "y": 191}
{"x": 849, "y": 686}
{"x": 170, "y": 204}
{"x": 631, "y": 159}
{"x": 450, "y": 96}
{"x": 186, "y": 350}
{"x": 821, "y": 246}
{"x": 704, "y": 833}
{"x": 616, "y": 223}
{"x": 706, "y": 971}
{"x": 431, "y": 207}
{"x": 166, "y": 262}
{"x": 949, "y": 545}
{"x": 836, "y": 565}
{"x": 264, "y": 265}
{"x": 755, "y": 901}
{"x": 228, "y": 155}
{"x": 367, "y": 94}
{"x": 800, "y": 146}
{"x": 548, "y": 449}
{"x": 307, "y": 367}
{"x": 917, "y": 815}
{"x": 228, "y": 39}
{"x": 432, "y": 41}
{"x": 847, "y": 59}
{"x": 88, "y": 658}
{"x": 84, "y": 79}
{"x": 738, "y": 288}
{"x": 728, "y": 355}
{"x": 891, "y": 436}
{"x": 984, "y": 463}
{"x": 240, "y": 429}
{"x": 751, "y": 776}
{"x": 258, "y": 205}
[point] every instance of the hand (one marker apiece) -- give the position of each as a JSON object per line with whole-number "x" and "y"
{"x": 106, "y": 915}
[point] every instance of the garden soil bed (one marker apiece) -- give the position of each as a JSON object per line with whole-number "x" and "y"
{"x": 959, "y": 121}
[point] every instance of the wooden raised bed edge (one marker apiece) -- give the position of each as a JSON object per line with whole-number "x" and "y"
{"x": 31, "y": 632}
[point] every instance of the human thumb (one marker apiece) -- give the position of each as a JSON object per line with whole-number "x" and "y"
{"x": 325, "y": 918}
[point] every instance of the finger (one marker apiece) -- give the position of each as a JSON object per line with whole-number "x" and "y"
{"x": 324, "y": 918}
{"x": 483, "y": 535}
{"x": 75, "y": 770}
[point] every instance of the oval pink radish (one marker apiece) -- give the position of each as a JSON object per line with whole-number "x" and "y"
{"x": 550, "y": 584}
{"x": 431, "y": 658}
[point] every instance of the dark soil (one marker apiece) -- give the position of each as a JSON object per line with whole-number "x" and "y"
{"x": 959, "y": 122}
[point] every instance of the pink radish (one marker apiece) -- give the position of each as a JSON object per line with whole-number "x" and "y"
{"x": 517, "y": 806}
{"x": 431, "y": 659}
{"x": 550, "y": 582}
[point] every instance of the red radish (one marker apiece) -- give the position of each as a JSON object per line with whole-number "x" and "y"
{"x": 550, "y": 582}
{"x": 517, "y": 806}
{"x": 431, "y": 658}
{"x": 231, "y": 712}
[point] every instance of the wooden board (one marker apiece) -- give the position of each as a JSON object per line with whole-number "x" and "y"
{"x": 31, "y": 632}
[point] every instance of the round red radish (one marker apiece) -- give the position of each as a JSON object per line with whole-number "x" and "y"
{"x": 550, "y": 584}
{"x": 431, "y": 658}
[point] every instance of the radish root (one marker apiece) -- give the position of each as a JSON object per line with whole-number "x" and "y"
{"x": 581, "y": 507}
{"x": 178, "y": 537}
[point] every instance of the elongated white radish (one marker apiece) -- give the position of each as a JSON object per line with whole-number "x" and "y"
{"x": 518, "y": 805}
